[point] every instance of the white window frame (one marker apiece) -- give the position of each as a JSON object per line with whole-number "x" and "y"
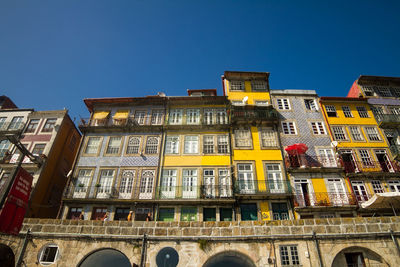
{"x": 372, "y": 134}
{"x": 258, "y": 85}
{"x": 208, "y": 144}
{"x": 133, "y": 146}
{"x": 151, "y": 146}
{"x": 193, "y": 116}
{"x": 356, "y": 134}
{"x": 261, "y": 103}
{"x": 140, "y": 116}
{"x": 377, "y": 186}
{"x": 243, "y": 138}
{"x": 222, "y": 116}
{"x": 113, "y": 149}
{"x": 168, "y": 183}
{"x": 330, "y": 109}
{"x": 42, "y": 254}
{"x": 208, "y": 116}
{"x": 245, "y": 177}
{"x": 318, "y": 128}
{"x": 236, "y": 85}
{"x": 289, "y": 128}
{"x": 283, "y": 103}
{"x": 291, "y": 255}
{"x": 268, "y": 137}
{"x": 89, "y": 147}
{"x": 338, "y": 135}
{"x": 362, "y": 112}
{"x": 191, "y": 144}
{"x": 366, "y": 158}
{"x": 157, "y": 117}
{"x": 172, "y": 144}
{"x": 310, "y": 104}
{"x": 175, "y": 116}
{"x": 347, "y": 112}
{"x": 222, "y": 144}
{"x": 273, "y": 174}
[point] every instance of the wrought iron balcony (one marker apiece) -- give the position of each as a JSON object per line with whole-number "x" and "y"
{"x": 253, "y": 113}
{"x": 203, "y": 121}
{"x": 395, "y": 149}
{"x": 306, "y": 161}
{"x": 324, "y": 200}
{"x": 12, "y": 127}
{"x": 370, "y": 166}
{"x": 385, "y": 120}
{"x": 194, "y": 192}
{"x": 119, "y": 123}
{"x": 108, "y": 192}
{"x": 262, "y": 187}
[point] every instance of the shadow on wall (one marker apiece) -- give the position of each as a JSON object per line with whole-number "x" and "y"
{"x": 229, "y": 259}
{"x": 105, "y": 258}
{"x": 7, "y": 257}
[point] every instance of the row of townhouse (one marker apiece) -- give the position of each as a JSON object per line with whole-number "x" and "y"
{"x": 52, "y": 139}
{"x": 205, "y": 157}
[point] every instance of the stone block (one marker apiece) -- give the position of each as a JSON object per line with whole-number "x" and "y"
{"x": 226, "y": 231}
{"x": 272, "y": 223}
{"x": 147, "y": 231}
{"x": 163, "y": 224}
{"x": 129, "y": 231}
{"x": 25, "y": 227}
{"x": 319, "y": 229}
{"x": 223, "y": 224}
{"x": 209, "y": 224}
{"x": 347, "y": 221}
{"x": 174, "y": 232}
{"x": 309, "y": 222}
{"x": 125, "y": 224}
{"x": 320, "y": 221}
{"x": 196, "y": 224}
{"x": 65, "y": 222}
{"x": 174, "y": 224}
{"x": 283, "y": 230}
{"x": 373, "y": 227}
{"x": 84, "y": 222}
{"x": 334, "y": 221}
{"x": 34, "y": 220}
{"x": 61, "y": 229}
{"x": 262, "y": 230}
{"x": 206, "y": 231}
{"x": 298, "y": 222}
{"x": 246, "y": 223}
{"x": 395, "y": 227}
{"x": 359, "y": 220}
{"x": 385, "y": 227}
{"x": 113, "y": 231}
{"x": 308, "y": 230}
{"x": 86, "y": 230}
{"x": 48, "y": 228}
{"x": 73, "y": 222}
{"x": 215, "y": 231}
{"x": 246, "y": 231}
{"x": 395, "y": 219}
{"x": 360, "y": 228}
{"x": 73, "y": 229}
{"x": 184, "y": 224}
{"x": 258, "y": 223}
{"x": 160, "y": 232}
{"x": 347, "y": 228}
{"x": 296, "y": 230}
{"x": 149, "y": 224}
{"x": 97, "y": 223}
{"x": 236, "y": 231}
{"x": 234, "y": 223}
{"x": 286, "y": 223}
{"x": 332, "y": 229}
{"x": 188, "y": 231}
{"x": 111, "y": 223}
{"x": 385, "y": 220}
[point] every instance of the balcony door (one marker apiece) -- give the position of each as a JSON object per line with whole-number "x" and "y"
{"x": 384, "y": 161}
{"x": 209, "y": 183}
{"x": 146, "y": 184}
{"x": 360, "y": 191}
{"x": 274, "y": 178}
{"x": 394, "y": 185}
{"x": 303, "y": 189}
{"x": 349, "y": 162}
{"x": 336, "y": 191}
{"x": 126, "y": 184}
{"x": 224, "y": 183}
{"x": 82, "y": 182}
{"x": 189, "y": 183}
{"x": 105, "y": 184}
{"x": 168, "y": 184}
{"x": 246, "y": 180}
{"x": 327, "y": 158}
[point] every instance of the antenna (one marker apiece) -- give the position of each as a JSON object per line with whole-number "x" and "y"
{"x": 334, "y": 144}
{"x": 245, "y": 100}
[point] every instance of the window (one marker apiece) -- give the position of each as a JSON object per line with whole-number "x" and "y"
{"x": 283, "y": 103}
{"x": 258, "y": 85}
{"x": 166, "y": 214}
{"x": 326, "y": 157}
{"x": 188, "y": 214}
{"x": 377, "y": 186}
{"x": 168, "y": 184}
{"x": 32, "y": 126}
{"x": 289, "y": 255}
{"x": 338, "y": 133}
{"x": 172, "y": 145}
{"x": 140, "y": 117}
{"x": 274, "y": 178}
{"x": 114, "y": 143}
{"x": 38, "y": 149}
{"x": 208, "y": 189}
{"x": 268, "y": 137}
{"x": 394, "y": 185}
{"x": 368, "y": 90}
{"x": 82, "y": 181}
{"x": 288, "y": 128}
{"x": 209, "y": 214}
{"x": 4, "y": 145}
{"x": 175, "y": 116}
{"x": 156, "y": 117}
{"x": 2, "y": 121}
{"x": 208, "y": 144}
{"x": 243, "y": 138}
{"x": 92, "y": 146}
{"x": 362, "y": 112}
{"x": 105, "y": 183}
{"x": 146, "y": 184}
{"x": 208, "y": 116}
{"x": 395, "y": 110}
{"x": 222, "y": 143}
{"x": 4, "y": 179}
{"x": 384, "y": 91}
{"x": 121, "y": 214}
{"x": 365, "y": 158}
{"x": 225, "y": 214}
{"x": 245, "y": 178}
{"x": 248, "y": 212}
{"x": 237, "y": 85}
{"x": 372, "y": 134}
{"x": 191, "y": 144}
{"x": 74, "y": 213}
{"x": 49, "y": 125}
{"x": 222, "y": 117}
{"x": 224, "y": 183}
{"x": 331, "y": 111}
{"x": 280, "y": 211}
{"x": 152, "y": 145}
{"x": 15, "y": 123}
{"x": 261, "y": 103}
{"x": 347, "y": 112}
{"x": 318, "y": 128}
{"x": 189, "y": 183}
{"x": 133, "y": 145}
{"x": 193, "y": 116}
{"x": 310, "y": 104}
{"x": 48, "y": 254}
{"x": 126, "y": 184}
{"x": 356, "y": 133}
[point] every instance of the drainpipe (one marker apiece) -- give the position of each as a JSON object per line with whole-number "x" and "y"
{"x": 235, "y": 205}
{"x": 395, "y": 241}
{"x": 318, "y": 251}
{"x": 143, "y": 255}
{"x": 21, "y": 255}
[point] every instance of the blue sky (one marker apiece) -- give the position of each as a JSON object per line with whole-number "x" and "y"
{"x": 55, "y": 53}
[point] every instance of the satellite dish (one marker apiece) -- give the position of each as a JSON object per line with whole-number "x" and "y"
{"x": 69, "y": 173}
{"x": 334, "y": 144}
{"x": 245, "y": 99}
{"x": 167, "y": 257}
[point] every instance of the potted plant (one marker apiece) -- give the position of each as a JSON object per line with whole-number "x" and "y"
{"x": 81, "y": 185}
{"x": 97, "y": 185}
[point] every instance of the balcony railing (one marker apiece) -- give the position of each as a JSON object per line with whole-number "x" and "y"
{"x": 222, "y": 120}
{"x": 370, "y": 166}
{"x": 324, "y": 200}
{"x": 129, "y": 122}
{"x": 194, "y": 192}
{"x": 306, "y": 161}
{"x": 387, "y": 119}
{"x": 108, "y": 192}
{"x": 12, "y": 127}
{"x": 262, "y": 187}
{"x": 257, "y": 113}
{"x": 395, "y": 149}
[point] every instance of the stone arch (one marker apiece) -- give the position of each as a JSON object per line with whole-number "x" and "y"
{"x": 229, "y": 258}
{"x": 105, "y": 257}
{"x": 368, "y": 255}
{"x": 7, "y": 257}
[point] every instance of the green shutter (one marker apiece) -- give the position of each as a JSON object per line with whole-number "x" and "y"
{"x": 166, "y": 214}
{"x": 209, "y": 214}
{"x": 225, "y": 214}
{"x": 189, "y": 214}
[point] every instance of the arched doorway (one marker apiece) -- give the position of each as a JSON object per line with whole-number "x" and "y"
{"x": 7, "y": 257}
{"x": 104, "y": 258}
{"x": 229, "y": 259}
{"x": 358, "y": 257}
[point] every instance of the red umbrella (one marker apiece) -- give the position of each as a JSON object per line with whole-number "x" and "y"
{"x": 296, "y": 149}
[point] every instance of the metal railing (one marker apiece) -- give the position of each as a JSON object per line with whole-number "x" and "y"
{"x": 194, "y": 192}
{"x": 306, "y": 161}
{"x": 324, "y": 199}
{"x": 223, "y": 120}
{"x": 12, "y": 126}
{"x": 253, "y": 114}
{"x": 108, "y": 192}
{"x": 387, "y": 118}
{"x": 110, "y": 122}
{"x": 370, "y": 166}
{"x": 261, "y": 187}
{"x": 395, "y": 149}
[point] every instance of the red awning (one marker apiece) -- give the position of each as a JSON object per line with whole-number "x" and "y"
{"x": 296, "y": 149}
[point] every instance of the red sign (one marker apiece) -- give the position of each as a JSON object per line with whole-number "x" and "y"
{"x": 13, "y": 212}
